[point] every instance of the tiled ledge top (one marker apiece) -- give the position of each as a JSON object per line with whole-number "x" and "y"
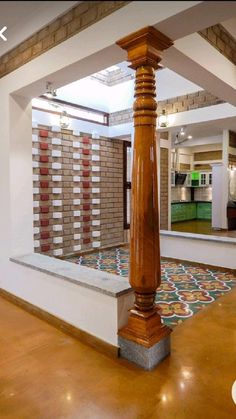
{"x": 204, "y": 237}
{"x": 99, "y": 281}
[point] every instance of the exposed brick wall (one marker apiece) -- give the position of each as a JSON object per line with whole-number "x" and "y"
{"x": 164, "y": 185}
{"x": 208, "y": 155}
{"x": 78, "y": 191}
{"x": 173, "y": 105}
{"x": 222, "y": 40}
{"x": 75, "y": 20}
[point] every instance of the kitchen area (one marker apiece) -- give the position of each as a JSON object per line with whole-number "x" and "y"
{"x": 203, "y": 184}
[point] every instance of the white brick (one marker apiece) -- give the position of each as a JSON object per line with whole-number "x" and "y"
{"x": 95, "y": 190}
{"x": 76, "y": 167}
{"x": 36, "y": 230}
{"x": 56, "y": 178}
{"x": 57, "y": 215}
{"x": 35, "y": 151}
{"x": 95, "y": 179}
{"x": 36, "y": 217}
{"x": 77, "y": 225}
{"x": 58, "y": 252}
{"x": 56, "y": 166}
{"x": 96, "y": 233}
{"x": 76, "y": 156}
{"x": 96, "y": 244}
{"x": 95, "y": 147}
{"x": 56, "y": 128}
{"x": 35, "y": 191}
{"x": 36, "y": 204}
{"x": 76, "y": 178}
{"x": 76, "y": 132}
{"x": 56, "y": 153}
{"x": 57, "y": 227}
{"x": 76, "y": 144}
{"x": 57, "y": 203}
{"x": 95, "y": 212}
{"x": 56, "y": 190}
{"x": 95, "y": 169}
{"x": 36, "y": 243}
{"x": 96, "y": 223}
{"x": 76, "y": 190}
{"x": 56, "y": 141}
{"x": 35, "y": 178}
{"x": 35, "y": 164}
{"x": 34, "y": 124}
{"x": 95, "y": 201}
{"x": 95, "y": 157}
{"x": 57, "y": 240}
{"x": 77, "y": 213}
{"x": 77, "y": 247}
{"x": 35, "y": 138}
{"x": 77, "y": 236}
{"x": 76, "y": 201}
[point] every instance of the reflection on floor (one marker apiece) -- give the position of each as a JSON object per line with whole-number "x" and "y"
{"x": 201, "y": 227}
{"x": 45, "y": 374}
{"x": 185, "y": 288}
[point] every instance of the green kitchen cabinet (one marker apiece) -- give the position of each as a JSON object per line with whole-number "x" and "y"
{"x": 204, "y": 210}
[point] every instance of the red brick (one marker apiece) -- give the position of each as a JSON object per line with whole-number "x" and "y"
{"x": 44, "y": 185}
{"x": 44, "y": 197}
{"x": 44, "y": 223}
{"x": 86, "y": 140}
{"x": 86, "y": 195}
{"x": 43, "y": 171}
{"x": 86, "y": 173}
{"x": 43, "y": 133}
{"x": 86, "y": 162}
{"x": 86, "y": 229}
{"x": 86, "y": 207}
{"x": 86, "y": 240}
{"x": 44, "y": 210}
{"x": 43, "y": 146}
{"x": 45, "y": 235}
{"x": 45, "y": 247}
{"x": 85, "y": 152}
{"x": 43, "y": 159}
{"x": 86, "y": 218}
{"x": 86, "y": 185}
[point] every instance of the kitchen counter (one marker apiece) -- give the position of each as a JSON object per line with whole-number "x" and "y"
{"x": 190, "y": 210}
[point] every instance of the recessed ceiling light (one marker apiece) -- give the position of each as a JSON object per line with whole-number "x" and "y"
{"x": 190, "y": 137}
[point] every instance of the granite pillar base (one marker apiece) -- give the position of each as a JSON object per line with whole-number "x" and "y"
{"x": 146, "y": 358}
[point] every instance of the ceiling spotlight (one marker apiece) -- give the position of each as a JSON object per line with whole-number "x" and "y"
{"x": 50, "y": 92}
{"x": 182, "y": 132}
{"x": 190, "y": 137}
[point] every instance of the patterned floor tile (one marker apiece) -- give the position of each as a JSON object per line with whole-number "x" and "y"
{"x": 185, "y": 289}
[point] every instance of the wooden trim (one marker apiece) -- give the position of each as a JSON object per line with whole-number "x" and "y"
{"x": 63, "y": 326}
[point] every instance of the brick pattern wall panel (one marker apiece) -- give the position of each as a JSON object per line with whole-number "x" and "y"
{"x": 164, "y": 182}
{"x": 78, "y": 191}
{"x": 222, "y": 40}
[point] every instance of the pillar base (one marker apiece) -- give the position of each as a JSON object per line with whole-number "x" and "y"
{"x": 146, "y": 358}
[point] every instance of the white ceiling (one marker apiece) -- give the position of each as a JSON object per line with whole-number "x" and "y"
{"x": 230, "y": 26}
{"x": 96, "y": 95}
{"x": 24, "y": 18}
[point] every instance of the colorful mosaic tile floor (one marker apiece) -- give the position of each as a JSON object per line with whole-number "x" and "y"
{"x": 185, "y": 288}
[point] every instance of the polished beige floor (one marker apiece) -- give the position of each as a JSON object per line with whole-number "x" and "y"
{"x": 45, "y": 374}
{"x": 201, "y": 227}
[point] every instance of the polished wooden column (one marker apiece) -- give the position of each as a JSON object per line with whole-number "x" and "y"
{"x": 144, "y": 325}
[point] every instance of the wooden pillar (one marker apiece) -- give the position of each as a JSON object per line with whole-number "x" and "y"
{"x": 144, "y": 325}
